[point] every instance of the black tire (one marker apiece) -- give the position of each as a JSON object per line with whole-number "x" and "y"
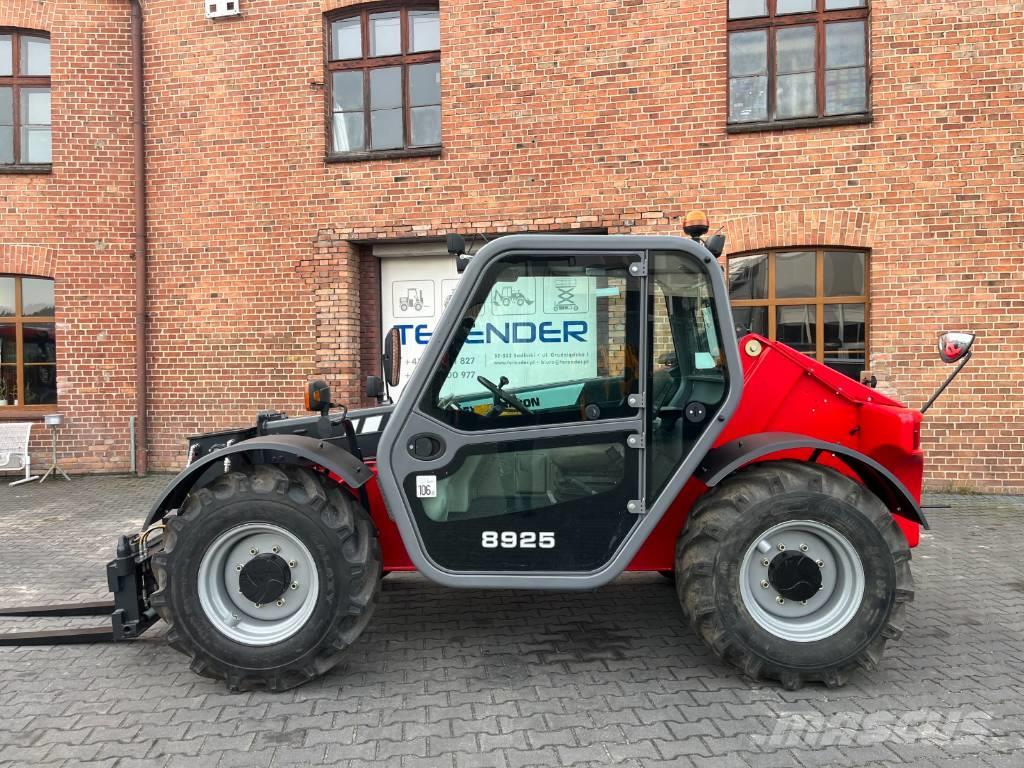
{"x": 338, "y": 533}
{"x": 728, "y": 519}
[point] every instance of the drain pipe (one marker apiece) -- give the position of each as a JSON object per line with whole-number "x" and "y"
{"x": 140, "y": 443}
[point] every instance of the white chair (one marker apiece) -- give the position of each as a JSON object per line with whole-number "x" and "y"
{"x": 14, "y": 437}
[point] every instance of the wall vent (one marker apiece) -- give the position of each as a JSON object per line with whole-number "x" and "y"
{"x": 218, "y": 9}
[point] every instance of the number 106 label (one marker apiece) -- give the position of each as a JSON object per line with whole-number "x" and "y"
{"x": 518, "y": 540}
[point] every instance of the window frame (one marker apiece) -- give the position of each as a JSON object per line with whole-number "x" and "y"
{"x": 16, "y": 81}
{"x": 367, "y": 63}
{"x": 772, "y": 22}
{"x": 18, "y": 320}
{"x": 819, "y": 300}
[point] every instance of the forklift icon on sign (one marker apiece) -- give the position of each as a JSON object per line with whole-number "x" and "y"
{"x": 413, "y": 299}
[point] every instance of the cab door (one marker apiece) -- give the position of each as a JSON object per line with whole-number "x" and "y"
{"x": 516, "y": 455}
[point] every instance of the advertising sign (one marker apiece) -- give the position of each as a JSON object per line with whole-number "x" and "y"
{"x": 535, "y": 330}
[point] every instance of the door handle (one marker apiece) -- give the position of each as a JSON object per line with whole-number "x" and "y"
{"x": 425, "y": 447}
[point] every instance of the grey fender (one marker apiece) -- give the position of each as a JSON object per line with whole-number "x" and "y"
{"x": 722, "y": 461}
{"x": 276, "y": 449}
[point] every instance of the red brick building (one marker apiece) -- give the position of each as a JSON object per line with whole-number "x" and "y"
{"x": 302, "y": 156}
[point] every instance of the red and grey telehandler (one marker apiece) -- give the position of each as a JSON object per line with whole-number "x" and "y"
{"x": 550, "y": 448}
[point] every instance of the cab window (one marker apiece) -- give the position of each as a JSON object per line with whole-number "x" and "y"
{"x": 544, "y": 340}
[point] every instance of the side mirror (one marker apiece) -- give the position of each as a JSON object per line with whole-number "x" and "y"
{"x": 715, "y": 244}
{"x": 955, "y": 346}
{"x": 375, "y": 388}
{"x": 318, "y": 396}
{"x": 391, "y": 363}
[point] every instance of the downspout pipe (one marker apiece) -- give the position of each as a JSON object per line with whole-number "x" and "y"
{"x": 141, "y": 241}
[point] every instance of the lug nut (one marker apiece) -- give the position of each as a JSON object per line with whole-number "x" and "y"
{"x": 819, "y": 563}
{"x": 803, "y": 547}
{"x": 292, "y": 563}
{"x": 780, "y": 600}
{"x": 765, "y": 562}
{"x": 280, "y": 602}
{"x": 764, "y": 584}
{"x": 259, "y": 605}
{"x": 782, "y": 547}
{"x": 238, "y": 567}
{"x": 803, "y": 602}
{"x": 275, "y": 549}
{"x": 254, "y": 551}
{"x": 295, "y": 585}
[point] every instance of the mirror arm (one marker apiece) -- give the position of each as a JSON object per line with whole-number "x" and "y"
{"x": 946, "y": 383}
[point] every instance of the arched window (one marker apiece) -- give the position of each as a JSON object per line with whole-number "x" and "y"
{"x": 814, "y": 300}
{"x": 28, "y": 342}
{"x": 384, "y": 81}
{"x": 24, "y": 99}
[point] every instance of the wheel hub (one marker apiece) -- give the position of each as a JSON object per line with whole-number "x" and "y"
{"x": 801, "y": 580}
{"x": 258, "y": 583}
{"x": 264, "y": 578}
{"x": 794, "y": 575}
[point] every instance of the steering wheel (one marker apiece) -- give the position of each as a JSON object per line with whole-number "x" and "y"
{"x": 506, "y": 397}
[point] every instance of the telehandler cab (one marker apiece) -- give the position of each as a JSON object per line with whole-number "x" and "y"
{"x": 550, "y": 450}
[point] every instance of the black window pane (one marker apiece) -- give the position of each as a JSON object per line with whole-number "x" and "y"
{"x": 37, "y": 297}
{"x": 748, "y": 99}
{"x": 39, "y": 343}
{"x": 750, "y": 320}
{"x": 796, "y": 326}
{"x": 426, "y": 126}
{"x": 347, "y": 39}
{"x": 385, "y": 33}
{"x": 8, "y": 344}
{"x": 386, "y": 129}
{"x": 748, "y": 53}
{"x": 845, "y": 91}
{"x": 424, "y": 84}
{"x": 748, "y": 277}
{"x": 794, "y": 49}
{"x": 386, "y": 88}
{"x": 347, "y": 91}
{"x": 8, "y": 384}
{"x": 7, "y": 305}
{"x": 794, "y": 6}
{"x": 424, "y": 31}
{"x": 6, "y": 56}
{"x": 795, "y": 275}
{"x": 844, "y": 329}
{"x": 844, "y": 44}
{"x": 844, "y": 273}
{"x": 743, "y": 9}
{"x": 40, "y": 384}
{"x": 845, "y": 332}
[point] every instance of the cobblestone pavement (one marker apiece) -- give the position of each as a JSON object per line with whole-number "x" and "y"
{"x": 459, "y": 679}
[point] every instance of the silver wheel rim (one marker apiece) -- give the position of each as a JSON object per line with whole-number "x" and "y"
{"x": 220, "y": 594}
{"x": 823, "y": 614}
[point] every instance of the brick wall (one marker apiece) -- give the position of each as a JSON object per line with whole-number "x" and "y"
{"x": 557, "y": 115}
{"x": 75, "y": 225}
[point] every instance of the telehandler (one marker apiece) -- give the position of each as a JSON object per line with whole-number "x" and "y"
{"x": 545, "y": 453}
